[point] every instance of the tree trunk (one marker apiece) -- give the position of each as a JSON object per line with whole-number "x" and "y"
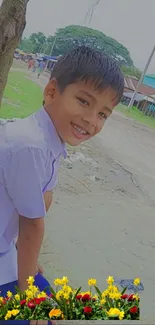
{"x": 12, "y": 24}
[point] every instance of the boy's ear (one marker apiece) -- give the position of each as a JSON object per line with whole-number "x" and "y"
{"x": 50, "y": 91}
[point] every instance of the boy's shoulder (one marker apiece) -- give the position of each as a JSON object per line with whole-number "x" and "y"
{"x": 36, "y": 132}
{"x": 25, "y": 133}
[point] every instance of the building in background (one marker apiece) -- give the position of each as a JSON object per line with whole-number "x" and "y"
{"x": 149, "y": 80}
{"x": 144, "y": 99}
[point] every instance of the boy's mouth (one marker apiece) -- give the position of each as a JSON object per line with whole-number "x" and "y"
{"x": 79, "y": 132}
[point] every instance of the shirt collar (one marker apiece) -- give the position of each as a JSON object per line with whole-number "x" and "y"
{"x": 55, "y": 144}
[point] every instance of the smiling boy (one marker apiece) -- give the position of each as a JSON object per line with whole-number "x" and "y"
{"x": 83, "y": 90}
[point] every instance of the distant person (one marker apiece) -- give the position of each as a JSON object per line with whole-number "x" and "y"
{"x": 35, "y": 65}
{"x": 30, "y": 63}
{"x": 41, "y": 68}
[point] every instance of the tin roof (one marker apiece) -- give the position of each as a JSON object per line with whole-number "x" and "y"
{"x": 131, "y": 83}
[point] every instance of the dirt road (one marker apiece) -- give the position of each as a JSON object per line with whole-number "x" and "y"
{"x": 103, "y": 219}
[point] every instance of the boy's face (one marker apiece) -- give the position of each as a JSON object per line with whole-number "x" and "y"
{"x": 79, "y": 112}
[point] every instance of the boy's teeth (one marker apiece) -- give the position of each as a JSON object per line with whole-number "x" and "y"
{"x": 79, "y": 130}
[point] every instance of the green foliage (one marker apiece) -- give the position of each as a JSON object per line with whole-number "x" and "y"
{"x": 72, "y": 36}
{"x": 26, "y": 45}
{"x": 22, "y": 96}
{"x": 131, "y": 71}
{"x": 38, "y": 40}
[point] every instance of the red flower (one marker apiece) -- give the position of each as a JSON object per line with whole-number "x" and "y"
{"x": 78, "y": 297}
{"x": 22, "y": 302}
{"x": 42, "y": 299}
{"x": 125, "y": 296}
{"x": 86, "y": 297}
{"x": 31, "y": 305}
{"x": 130, "y": 297}
{"x": 4, "y": 301}
{"x": 36, "y": 301}
{"x": 51, "y": 295}
{"x": 87, "y": 310}
{"x": 134, "y": 310}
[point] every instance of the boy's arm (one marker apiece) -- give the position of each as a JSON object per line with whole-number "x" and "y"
{"x": 25, "y": 176}
{"x": 29, "y": 245}
{"x": 31, "y": 233}
{"x": 42, "y": 322}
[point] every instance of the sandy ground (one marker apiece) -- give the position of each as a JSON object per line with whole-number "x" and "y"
{"x": 102, "y": 221}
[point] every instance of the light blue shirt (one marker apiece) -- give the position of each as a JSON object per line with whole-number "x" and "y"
{"x": 30, "y": 151}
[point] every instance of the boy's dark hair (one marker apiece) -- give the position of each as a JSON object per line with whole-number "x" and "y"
{"x": 86, "y": 64}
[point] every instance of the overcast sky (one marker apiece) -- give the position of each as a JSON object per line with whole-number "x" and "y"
{"x": 131, "y": 22}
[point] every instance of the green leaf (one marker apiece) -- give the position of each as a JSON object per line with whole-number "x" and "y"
{"x": 98, "y": 291}
{"x": 76, "y": 293}
{"x": 123, "y": 291}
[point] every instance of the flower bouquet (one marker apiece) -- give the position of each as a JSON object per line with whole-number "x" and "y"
{"x": 66, "y": 303}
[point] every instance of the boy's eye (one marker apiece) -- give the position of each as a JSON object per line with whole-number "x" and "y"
{"x": 101, "y": 114}
{"x": 83, "y": 101}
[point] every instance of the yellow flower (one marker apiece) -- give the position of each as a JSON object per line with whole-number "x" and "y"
{"x": 121, "y": 315}
{"x": 55, "y": 313}
{"x": 42, "y": 295}
{"x": 11, "y": 313}
{"x": 66, "y": 295}
{"x": 9, "y": 294}
{"x": 29, "y": 294}
{"x": 114, "y": 312}
{"x": 1, "y": 300}
{"x": 33, "y": 289}
{"x": 61, "y": 282}
{"x": 67, "y": 289}
{"x": 8, "y": 315}
{"x": 136, "y": 282}
{"x": 113, "y": 288}
{"x": 30, "y": 280}
{"x": 136, "y": 297}
{"x": 15, "y": 312}
{"x": 64, "y": 292}
{"x": 64, "y": 280}
{"x": 92, "y": 282}
{"x": 105, "y": 293}
{"x": 110, "y": 280}
{"x": 115, "y": 295}
{"x": 57, "y": 282}
{"x": 59, "y": 294}
{"x": 103, "y": 301}
{"x": 95, "y": 297}
{"x": 17, "y": 297}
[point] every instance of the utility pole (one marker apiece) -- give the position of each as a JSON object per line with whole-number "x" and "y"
{"x": 55, "y": 38}
{"x": 141, "y": 78}
{"x": 88, "y": 17}
{"x": 90, "y": 12}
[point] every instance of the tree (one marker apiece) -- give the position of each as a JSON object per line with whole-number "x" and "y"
{"x": 131, "y": 71}
{"x": 26, "y": 45}
{"x": 12, "y": 24}
{"x": 38, "y": 40}
{"x": 48, "y": 45}
{"x": 37, "y": 43}
{"x": 71, "y": 36}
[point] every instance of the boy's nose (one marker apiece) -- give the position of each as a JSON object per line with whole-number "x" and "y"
{"x": 91, "y": 118}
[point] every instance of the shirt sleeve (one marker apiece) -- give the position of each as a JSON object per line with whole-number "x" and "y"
{"x": 25, "y": 177}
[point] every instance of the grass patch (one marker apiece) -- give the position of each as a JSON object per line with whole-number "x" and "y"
{"x": 21, "y": 97}
{"x": 135, "y": 114}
